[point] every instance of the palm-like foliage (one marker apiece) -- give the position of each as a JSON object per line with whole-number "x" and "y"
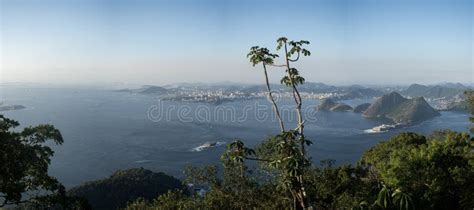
{"x": 291, "y": 160}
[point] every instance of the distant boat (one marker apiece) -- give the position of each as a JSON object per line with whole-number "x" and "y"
{"x": 383, "y": 128}
{"x": 207, "y": 145}
{"x": 143, "y": 161}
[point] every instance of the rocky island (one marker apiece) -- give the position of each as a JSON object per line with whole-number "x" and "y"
{"x": 329, "y": 105}
{"x": 147, "y": 89}
{"x": 401, "y": 110}
{"x": 11, "y": 107}
{"x": 361, "y": 108}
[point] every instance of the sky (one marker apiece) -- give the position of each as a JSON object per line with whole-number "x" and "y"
{"x": 163, "y": 42}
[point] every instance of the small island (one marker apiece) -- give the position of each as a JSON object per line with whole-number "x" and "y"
{"x": 11, "y": 107}
{"x": 329, "y": 105}
{"x": 147, "y": 89}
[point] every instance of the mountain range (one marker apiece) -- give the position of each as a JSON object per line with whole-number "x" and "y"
{"x": 435, "y": 91}
{"x": 446, "y": 91}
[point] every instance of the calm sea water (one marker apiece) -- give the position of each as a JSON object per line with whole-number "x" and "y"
{"x": 105, "y": 131}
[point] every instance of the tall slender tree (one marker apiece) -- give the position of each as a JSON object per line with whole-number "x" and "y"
{"x": 293, "y": 79}
{"x": 262, "y": 55}
{"x": 290, "y": 159}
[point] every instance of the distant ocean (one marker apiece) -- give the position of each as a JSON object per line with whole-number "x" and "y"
{"x": 105, "y": 130}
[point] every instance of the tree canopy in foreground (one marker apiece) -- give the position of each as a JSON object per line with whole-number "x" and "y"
{"x": 24, "y": 163}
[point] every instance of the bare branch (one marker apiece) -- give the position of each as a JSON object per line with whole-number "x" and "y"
{"x": 277, "y": 65}
{"x": 299, "y": 125}
{"x": 257, "y": 159}
{"x": 275, "y": 106}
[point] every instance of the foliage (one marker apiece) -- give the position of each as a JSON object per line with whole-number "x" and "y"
{"x": 177, "y": 199}
{"x": 409, "y": 171}
{"x": 261, "y": 55}
{"x": 126, "y": 185}
{"x": 342, "y": 187}
{"x": 24, "y": 163}
{"x": 378, "y": 155}
{"x": 470, "y": 101}
{"x": 434, "y": 172}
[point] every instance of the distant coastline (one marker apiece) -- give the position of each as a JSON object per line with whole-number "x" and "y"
{"x": 442, "y": 96}
{"x": 11, "y": 107}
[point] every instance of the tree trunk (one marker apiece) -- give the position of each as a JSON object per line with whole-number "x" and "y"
{"x": 296, "y": 95}
{"x": 275, "y": 106}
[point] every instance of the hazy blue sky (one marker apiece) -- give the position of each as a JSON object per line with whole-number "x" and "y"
{"x": 160, "y": 42}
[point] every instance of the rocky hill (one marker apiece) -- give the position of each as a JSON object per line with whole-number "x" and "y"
{"x": 329, "y": 105}
{"x": 125, "y": 186}
{"x": 361, "y": 108}
{"x": 400, "y": 109}
{"x": 148, "y": 89}
{"x": 154, "y": 90}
